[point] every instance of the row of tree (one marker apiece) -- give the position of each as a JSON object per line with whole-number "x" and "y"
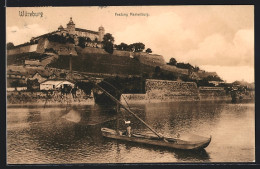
{"x": 60, "y": 38}
{"x": 134, "y": 47}
{"x": 173, "y": 62}
{"x": 83, "y": 40}
{"x": 108, "y": 45}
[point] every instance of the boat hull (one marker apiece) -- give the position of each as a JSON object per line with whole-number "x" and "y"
{"x": 174, "y": 143}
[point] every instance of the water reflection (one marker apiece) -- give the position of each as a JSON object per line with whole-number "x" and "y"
{"x": 72, "y": 134}
{"x": 180, "y": 155}
{"x": 67, "y": 127}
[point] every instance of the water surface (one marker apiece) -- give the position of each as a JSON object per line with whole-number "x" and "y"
{"x": 65, "y": 135}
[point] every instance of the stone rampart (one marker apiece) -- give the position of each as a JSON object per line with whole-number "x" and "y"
{"x": 171, "y": 90}
{"x": 212, "y": 92}
{"x": 121, "y": 53}
{"x": 55, "y": 97}
{"x": 22, "y": 49}
{"x": 149, "y": 59}
{"x": 175, "y": 69}
{"x": 93, "y": 50}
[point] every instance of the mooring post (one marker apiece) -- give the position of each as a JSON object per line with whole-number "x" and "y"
{"x": 117, "y": 117}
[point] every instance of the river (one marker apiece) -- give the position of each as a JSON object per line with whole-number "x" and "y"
{"x": 71, "y": 134}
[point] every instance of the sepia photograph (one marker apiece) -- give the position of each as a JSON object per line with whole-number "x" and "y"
{"x": 130, "y": 84}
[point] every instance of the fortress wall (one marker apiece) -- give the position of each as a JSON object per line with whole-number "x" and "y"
{"x": 149, "y": 59}
{"x": 175, "y": 69}
{"x": 55, "y": 97}
{"x": 165, "y": 89}
{"x": 23, "y": 49}
{"x": 121, "y": 53}
{"x": 42, "y": 45}
{"x": 211, "y": 92}
{"x": 61, "y": 49}
{"x": 93, "y": 50}
{"x": 133, "y": 97}
{"x": 13, "y": 51}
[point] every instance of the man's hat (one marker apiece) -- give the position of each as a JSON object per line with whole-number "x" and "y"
{"x": 127, "y": 122}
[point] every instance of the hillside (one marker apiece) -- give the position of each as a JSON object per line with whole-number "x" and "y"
{"x": 19, "y": 59}
{"x": 97, "y": 60}
{"x": 102, "y": 63}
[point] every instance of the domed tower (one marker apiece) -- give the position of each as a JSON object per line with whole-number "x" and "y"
{"x": 60, "y": 28}
{"x": 71, "y": 27}
{"x": 101, "y": 33}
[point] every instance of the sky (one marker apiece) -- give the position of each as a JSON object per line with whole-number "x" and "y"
{"x": 217, "y": 38}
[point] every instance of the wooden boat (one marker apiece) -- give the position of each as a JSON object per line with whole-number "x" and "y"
{"x": 188, "y": 142}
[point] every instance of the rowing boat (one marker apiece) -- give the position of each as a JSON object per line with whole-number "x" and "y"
{"x": 185, "y": 142}
{"x": 188, "y": 142}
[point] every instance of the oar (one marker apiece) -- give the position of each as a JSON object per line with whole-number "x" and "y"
{"x": 127, "y": 109}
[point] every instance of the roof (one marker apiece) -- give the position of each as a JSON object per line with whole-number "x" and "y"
{"x": 55, "y": 82}
{"x": 206, "y": 74}
{"x": 71, "y": 22}
{"x": 60, "y": 27}
{"x": 44, "y": 35}
{"x": 101, "y": 28}
{"x": 43, "y": 73}
{"x": 85, "y": 30}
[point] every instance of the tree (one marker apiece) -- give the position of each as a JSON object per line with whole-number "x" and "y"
{"x": 172, "y": 62}
{"x": 196, "y": 69}
{"x": 137, "y": 47}
{"x": 70, "y": 39}
{"x": 63, "y": 75}
{"x": 33, "y": 84}
{"x": 108, "y": 46}
{"x": 185, "y": 66}
{"x": 82, "y": 42}
{"x": 148, "y": 50}
{"x": 108, "y": 38}
{"x": 122, "y": 46}
{"x": 9, "y": 45}
{"x": 88, "y": 39}
{"x": 15, "y": 84}
{"x": 108, "y": 43}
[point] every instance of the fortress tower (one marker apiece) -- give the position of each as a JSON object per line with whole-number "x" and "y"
{"x": 101, "y": 32}
{"x": 71, "y": 27}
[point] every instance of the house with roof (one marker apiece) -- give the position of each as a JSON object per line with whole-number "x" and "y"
{"x": 195, "y": 76}
{"x": 55, "y": 84}
{"x": 39, "y": 77}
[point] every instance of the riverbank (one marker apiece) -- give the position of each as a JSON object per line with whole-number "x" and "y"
{"x": 48, "y": 98}
{"x": 55, "y": 98}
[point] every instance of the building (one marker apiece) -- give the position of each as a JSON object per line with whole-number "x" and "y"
{"x": 95, "y": 36}
{"x": 55, "y": 84}
{"x": 39, "y": 77}
{"x": 216, "y": 83}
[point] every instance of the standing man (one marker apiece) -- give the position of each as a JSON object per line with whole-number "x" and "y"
{"x": 128, "y": 128}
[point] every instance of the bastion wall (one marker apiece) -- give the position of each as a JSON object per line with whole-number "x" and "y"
{"x": 22, "y": 49}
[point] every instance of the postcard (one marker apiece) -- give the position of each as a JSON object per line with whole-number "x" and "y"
{"x": 130, "y": 84}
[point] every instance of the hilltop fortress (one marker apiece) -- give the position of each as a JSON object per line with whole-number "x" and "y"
{"x": 64, "y": 42}
{"x": 71, "y": 29}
